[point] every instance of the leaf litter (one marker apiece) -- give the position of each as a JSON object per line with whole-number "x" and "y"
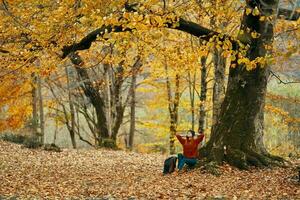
{"x": 107, "y": 174}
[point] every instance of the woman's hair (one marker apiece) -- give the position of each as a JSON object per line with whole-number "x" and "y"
{"x": 192, "y": 132}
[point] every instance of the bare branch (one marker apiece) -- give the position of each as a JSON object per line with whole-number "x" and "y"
{"x": 273, "y": 74}
{"x": 287, "y": 14}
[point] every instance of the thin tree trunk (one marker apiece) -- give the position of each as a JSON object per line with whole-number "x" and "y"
{"x": 34, "y": 105}
{"x": 56, "y": 129}
{"x": 192, "y": 82}
{"x": 132, "y": 94}
{"x": 72, "y": 111}
{"x": 108, "y": 102}
{"x": 202, "y": 112}
{"x": 118, "y": 106}
{"x": 132, "y": 108}
{"x": 41, "y": 110}
{"x": 173, "y": 108}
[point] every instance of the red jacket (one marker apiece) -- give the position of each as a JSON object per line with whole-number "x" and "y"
{"x": 190, "y": 146}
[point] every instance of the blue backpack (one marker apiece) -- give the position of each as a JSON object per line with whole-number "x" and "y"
{"x": 170, "y": 165}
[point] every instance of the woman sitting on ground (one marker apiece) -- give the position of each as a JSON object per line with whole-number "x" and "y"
{"x": 190, "y": 149}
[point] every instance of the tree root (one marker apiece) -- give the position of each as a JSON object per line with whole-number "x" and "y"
{"x": 279, "y": 160}
{"x": 236, "y": 158}
{"x": 252, "y": 160}
{"x": 242, "y": 159}
{"x": 261, "y": 158}
{"x": 212, "y": 168}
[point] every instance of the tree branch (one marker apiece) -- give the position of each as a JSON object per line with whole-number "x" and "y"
{"x": 287, "y": 14}
{"x": 281, "y": 81}
{"x": 86, "y": 42}
{"x": 184, "y": 25}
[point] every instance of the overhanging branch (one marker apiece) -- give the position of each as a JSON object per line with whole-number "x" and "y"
{"x": 184, "y": 25}
{"x": 86, "y": 42}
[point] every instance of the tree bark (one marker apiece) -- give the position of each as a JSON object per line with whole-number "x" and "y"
{"x": 108, "y": 101}
{"x": 202, "y": 109}
{"x": 72, "y": 111}
{"x": 219, "y": 84}
{"x": 41, "y": 110}
{"x": 132, "y": 91}
{"x": 132, "y": 110}
{"x": 173, "y": 108}
{"x": 34, "y": 105}
{"x": 238, "y": 134}
{"x": 192, "y": 83}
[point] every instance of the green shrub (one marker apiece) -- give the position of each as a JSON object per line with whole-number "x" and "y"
{"x": 51, "y": 147}
{"x": 14, "y": 138}
{"x": 109, "y": 143}
{"x": 32, "y": 142}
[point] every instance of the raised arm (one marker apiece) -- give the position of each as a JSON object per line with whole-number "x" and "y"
{"x": 181, "y": 140}
{"x": 199, "y": 138}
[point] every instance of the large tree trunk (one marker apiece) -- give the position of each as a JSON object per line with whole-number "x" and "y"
{"x": 219, "y": 84}
{"x": 238, "y": 134}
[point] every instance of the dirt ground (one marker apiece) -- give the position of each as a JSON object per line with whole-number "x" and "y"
{"x": 105, "y": 174}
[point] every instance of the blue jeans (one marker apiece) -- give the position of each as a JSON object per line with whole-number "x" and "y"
{"x": 191, "y": 162}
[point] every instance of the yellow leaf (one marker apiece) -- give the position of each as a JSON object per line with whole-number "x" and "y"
{"x": 255, "y": 12}
{"x": 248, "y": 11}
{"x": 262, "y": 18}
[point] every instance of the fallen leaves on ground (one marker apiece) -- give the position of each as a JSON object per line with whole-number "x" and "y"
{"x": 84, "y": 174}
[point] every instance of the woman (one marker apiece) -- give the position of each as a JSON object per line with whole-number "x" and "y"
{"x": 190, "y": 150}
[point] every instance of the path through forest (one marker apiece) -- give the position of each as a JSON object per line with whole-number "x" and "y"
{"x": 104, "y": 174}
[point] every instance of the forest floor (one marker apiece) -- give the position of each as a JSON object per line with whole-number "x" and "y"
{"x": 105, "y": 174}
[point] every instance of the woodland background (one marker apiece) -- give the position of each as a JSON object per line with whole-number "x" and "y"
{"x": 84, "y": 79}
{"x": 141, "y": 75}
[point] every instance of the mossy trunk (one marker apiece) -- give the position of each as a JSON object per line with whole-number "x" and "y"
{"x": 173, "y": 108}
{"x": 238, "y": 133}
